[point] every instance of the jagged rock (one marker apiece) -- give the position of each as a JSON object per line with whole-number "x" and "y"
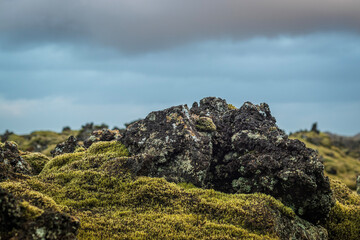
{"x": 68, "y": 146}
{"x": 5, "y": 136}
{"x": 15, "y": 222}
{"x": 102, "y": 135}
{"x": 314, "y": 128}
{"x": 244, "y": 152}
{"x": 87, "y": 129}
{"x": 11, "y": 163}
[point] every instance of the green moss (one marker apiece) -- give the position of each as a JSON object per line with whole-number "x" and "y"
{"x": 205, "y": 124}
{"x": 23, "y": 191}
{"x": 113, "y": 148}
{"x": 343, "y": 194}
{"x": 37, "y": 161}
{"x": 344, "y": 219}
{"x": 152, "y": 207}
{"x": 119, "y": 206}
{"x": 30, "y": 211}
{"x": 185, "y": 185}
{"x": 61, "y": 160}
{"x": 101, "y": 155}
{"x": 80, "y": 149}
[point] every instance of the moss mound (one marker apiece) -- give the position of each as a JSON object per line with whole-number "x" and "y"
{"x": 120, "y": 206}
{"x": 344, "y": 219}
{"x": 37, "y": 161}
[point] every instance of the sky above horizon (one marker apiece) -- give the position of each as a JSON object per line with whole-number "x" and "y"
{"x": 66, "y": 63}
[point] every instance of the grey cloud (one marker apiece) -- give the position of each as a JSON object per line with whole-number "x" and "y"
{"x": 143, "y": 25}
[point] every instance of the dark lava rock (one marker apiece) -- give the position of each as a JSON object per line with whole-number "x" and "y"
{"x": 5, "y": 136}
{"x": 231, "y": 150}
{"x": 102, "y": 135}
{"x": 87, "y": 129}
{"x": 11, "y": 163}
{"x": 68, "y": 146}
{"x": 15, "y": 224}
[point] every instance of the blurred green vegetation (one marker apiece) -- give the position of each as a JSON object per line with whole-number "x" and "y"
{"x": 338, "y": 161}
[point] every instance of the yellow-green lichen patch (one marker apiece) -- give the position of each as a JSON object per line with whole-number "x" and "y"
{"x": 205, "y": 124}
{"x": 231, "y": 107}
{"x": 37, "y": 161}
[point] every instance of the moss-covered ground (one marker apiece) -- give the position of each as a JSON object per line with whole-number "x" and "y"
{"x": 344, "y": 219}
{"x": 123, "y": 206}
{"x": 339, "y": 164}
{"x": 41, "y": 141}
{"x": 128, "y": 207}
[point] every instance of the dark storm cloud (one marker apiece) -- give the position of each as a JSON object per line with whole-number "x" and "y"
{"x": 139, "y": 25}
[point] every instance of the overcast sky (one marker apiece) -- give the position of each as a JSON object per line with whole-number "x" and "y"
{"x": 68, "y": 62}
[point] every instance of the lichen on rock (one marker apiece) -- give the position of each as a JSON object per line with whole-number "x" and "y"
{"x": 205, "y": 124}
{"x": 247, "y": 153}
{"x": 21, "y": 220}
{"x": 11, "y": 162}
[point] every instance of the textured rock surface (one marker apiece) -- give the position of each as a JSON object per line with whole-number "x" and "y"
{"x": 241, "y": 150}
{"x": 68, "y": 146}
{"x": 16, "y": 224}
{"x": 102, "y": 135}
{"x": 87, "y": 129}
{"x": 11, "y": 162}
{"x": 358, "y": 185}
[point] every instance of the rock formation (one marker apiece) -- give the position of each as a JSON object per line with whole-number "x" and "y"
{"x": 18, "y": 222}
{"x": 11, "y": 163}
{"x": 231, "y": 150}
{"x": 68, "y": 146}
{"x": 102, "y": 135}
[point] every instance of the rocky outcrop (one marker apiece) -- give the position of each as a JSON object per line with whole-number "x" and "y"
{"x": 241, "y": 150}
{"x": 68, "y": 146}
{"x": 102, "y": 135}
{"x": 72, "y": 143}
{"x": 87, "y": 129}
{"x": 11, "y": 163}
{"x": 17, "y": 222}
{"x": 4, "y": 137}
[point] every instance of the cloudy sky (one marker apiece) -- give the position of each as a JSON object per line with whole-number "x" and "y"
{"x": 68, "y": 62}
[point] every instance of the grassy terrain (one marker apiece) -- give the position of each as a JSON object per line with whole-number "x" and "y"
{"x": 41, "y": 141}
{"x": 338, "y": 163}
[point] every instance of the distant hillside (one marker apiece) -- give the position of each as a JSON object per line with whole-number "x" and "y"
{"x": 341, "y": 155}
{"x": 45, "y": 141}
